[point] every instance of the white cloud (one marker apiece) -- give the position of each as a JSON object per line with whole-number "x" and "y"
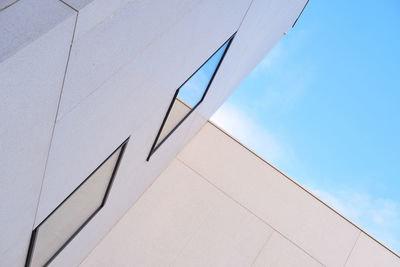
{"x": 249, "y": 132}
{"x": 378, "y": 216}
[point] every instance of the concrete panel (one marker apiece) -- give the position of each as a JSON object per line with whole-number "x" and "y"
{"x": 22, "y": 165}
{"x": 23, "y": 105}
{"x": 229, "y": 236}
{"x": 23, "y": 22}
{"x": 270, "y": 195}
{"x": 35, "y": 50}
{"x": 183, "y": 220}
{"x": 193, "y": 225}
{"x": 102, "y": 123}
{"x": 85, "y": 136}
{"x": 141, "y": 82}
{"x": 88, "y": 134}
{"x": 369, "y": 253}
{"x": 94, "y": 12}
{"x": 134, "y": 176}
{"x": 110, "y": 46}
{"x": 117, "y": 85}
{"x": 153, "y": 232}
{"x": 90, "y": 67}
{"x": 280, "y": 252}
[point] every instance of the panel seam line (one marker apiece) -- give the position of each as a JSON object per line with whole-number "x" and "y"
{"x": 192, "y": 235}
{"x": 351, "y": 251}
{"x": 262, "y": 247}
{"x": 301, "y": 187}
{"x": 124, "y": 65}
{"x": 68, "y": 5}
{"x": 123, "y": 215}
{"x": 245, "y": 14}
{"x": 55, "y": 122}
{"x": 248, "y": 210}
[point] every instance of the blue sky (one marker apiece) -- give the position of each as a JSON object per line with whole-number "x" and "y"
{"x": 324, "y": 107}
{"x": 192, "y": 90}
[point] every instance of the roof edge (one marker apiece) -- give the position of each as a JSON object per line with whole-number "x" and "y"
{"x": 303, "y": 188}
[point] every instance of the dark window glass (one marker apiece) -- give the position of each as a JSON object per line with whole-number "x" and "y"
{"x": 59, "y": 228}
{"x": 189, "y": 95}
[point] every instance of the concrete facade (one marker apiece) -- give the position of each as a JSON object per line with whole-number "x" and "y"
{"x": 219, "y": 204}
{"x": 78, "y": 77}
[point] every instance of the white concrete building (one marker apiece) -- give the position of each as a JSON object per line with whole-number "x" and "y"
{"x": 222, "y": 205}
{"x": 98, "y": 98}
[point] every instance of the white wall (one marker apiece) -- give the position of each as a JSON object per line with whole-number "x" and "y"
{"x": 126, "y": 60}
{"x": 281, "y": 203}
{"x": 33, "y": 55}
{"x": 219, "y": 204}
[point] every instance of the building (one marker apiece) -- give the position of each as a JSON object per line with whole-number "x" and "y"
{"x": 224, "y": 206}
{"x": 98, "y": 99}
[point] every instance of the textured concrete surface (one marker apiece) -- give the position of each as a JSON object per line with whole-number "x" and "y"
{"x": 78, "y": 77}
{"x": 190, "y": 217}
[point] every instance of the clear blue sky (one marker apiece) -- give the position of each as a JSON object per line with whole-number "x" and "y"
{"x": 324, "y": 107}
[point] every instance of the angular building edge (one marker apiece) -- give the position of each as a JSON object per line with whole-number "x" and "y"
{"x": 304, "y": 189}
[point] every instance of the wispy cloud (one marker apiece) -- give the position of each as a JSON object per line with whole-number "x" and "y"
{"x": 278, "y": 83}
{"x": 247, "y": 130}
{"x": 380, "y": 217}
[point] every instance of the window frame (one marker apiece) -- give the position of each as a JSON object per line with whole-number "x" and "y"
{"x": 103, "y": 202}
{"x": 155, "y": 146}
